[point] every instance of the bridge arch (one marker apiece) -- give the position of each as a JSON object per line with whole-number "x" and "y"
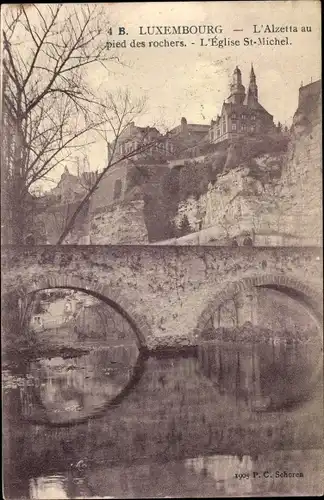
{"x": 291, "y": 287}
{"x": 109, "y": 295}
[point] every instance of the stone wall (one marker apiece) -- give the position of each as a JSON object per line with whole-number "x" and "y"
{"x": 105, "y": 193}
{"x": 136, "y": 215}
{"x": 119, "y": 223}
{"x": 167, "y": 293}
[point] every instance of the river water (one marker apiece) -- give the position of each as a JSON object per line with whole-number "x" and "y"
{"x": 221, "y": 419}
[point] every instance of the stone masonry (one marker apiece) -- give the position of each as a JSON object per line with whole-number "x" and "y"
{"x": 167, "y": 293}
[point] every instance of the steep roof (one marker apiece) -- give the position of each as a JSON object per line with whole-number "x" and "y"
{"x": 230, "y": 107}
{"x": 147, "y": 129}
{"x": 197, "y": 127}
{"x": 191, "y": 127}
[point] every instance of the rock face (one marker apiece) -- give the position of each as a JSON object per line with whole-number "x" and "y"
{"x": 276, "y": 193}
{"x": 122, "y": 224}
{"x": 301, "y": 193}
{"x": 242, "y": 200}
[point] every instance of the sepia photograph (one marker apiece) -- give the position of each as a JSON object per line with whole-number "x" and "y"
{"x": 161, "y": 244}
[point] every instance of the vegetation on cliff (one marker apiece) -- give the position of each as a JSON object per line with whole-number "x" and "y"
{"x": 163, "y": 189}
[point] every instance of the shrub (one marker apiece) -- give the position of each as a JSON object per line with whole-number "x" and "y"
{"x": 185, "y": 227}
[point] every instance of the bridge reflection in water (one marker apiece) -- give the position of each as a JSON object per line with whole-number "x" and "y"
{"x": 68, "y": 390}
{"x": 187, "y": 423}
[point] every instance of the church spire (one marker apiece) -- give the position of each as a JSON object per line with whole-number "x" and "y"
{"x": 252, "y": 74}
{"x": 252, "y": 93}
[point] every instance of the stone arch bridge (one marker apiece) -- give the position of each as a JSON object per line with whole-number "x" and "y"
{"x": 167, "y": 293}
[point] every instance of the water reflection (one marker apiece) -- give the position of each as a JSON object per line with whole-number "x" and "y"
{"x": 262, "y": 376}
{"x": 59, "y": 390}
{"x": 49, "y": 487}
{"x": 204, "y": 414}
{"x": 211, "y": 476}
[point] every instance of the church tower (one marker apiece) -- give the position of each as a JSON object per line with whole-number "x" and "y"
{"x": 237, "y": 89}
{"x": 252, "y": 93}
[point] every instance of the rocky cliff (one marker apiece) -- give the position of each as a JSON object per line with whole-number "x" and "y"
{"x": 274, "y": 192}
{"x": 119, "y": 224}
{"x": 301, "y": 182}
{"x": 269, "y": 186}
{"x": 241, "y": 199}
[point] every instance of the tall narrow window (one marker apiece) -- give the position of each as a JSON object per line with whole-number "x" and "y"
{"x": 233, "y": 126}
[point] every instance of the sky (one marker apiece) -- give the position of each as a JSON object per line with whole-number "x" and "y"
{"x": 193, "y": 81}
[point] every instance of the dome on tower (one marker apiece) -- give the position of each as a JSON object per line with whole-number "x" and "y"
{"x": 237, "y": 88}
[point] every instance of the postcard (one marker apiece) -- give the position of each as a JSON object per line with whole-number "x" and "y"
{"x": 161, "y": 230}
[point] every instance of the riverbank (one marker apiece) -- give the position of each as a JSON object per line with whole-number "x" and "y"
{"x": 35, "y": 351}
{"x": 156, "y": 346}
{"x": 259, "y": 334}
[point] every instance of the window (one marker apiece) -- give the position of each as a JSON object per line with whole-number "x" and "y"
{"x": 252, "y": 128}
{"x": 243, "y": 116}
{"x": 253, "y": 117}
{"x": 233, "y": 116}
{"x": 243, "y": 127}
{"x": 117, "y": 189}
{"x": 224, "y": 128}
{"x": 234, "y": 126}
{"x": 218, "y": 132}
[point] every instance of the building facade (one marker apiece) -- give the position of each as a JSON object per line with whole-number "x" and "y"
{"x": 241, "y": 115}
{"x": 140, "y": 143}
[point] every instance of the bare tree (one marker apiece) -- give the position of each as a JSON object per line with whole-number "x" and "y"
{"x": 48, "y": 51}
{"x": 117, "y": 114}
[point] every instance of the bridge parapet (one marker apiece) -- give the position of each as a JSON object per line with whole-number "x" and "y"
{"x": 165, "y": 291}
